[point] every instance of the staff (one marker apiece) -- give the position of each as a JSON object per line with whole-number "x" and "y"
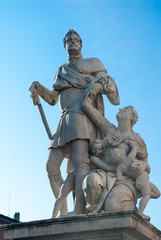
{"x": 36, "y": 101}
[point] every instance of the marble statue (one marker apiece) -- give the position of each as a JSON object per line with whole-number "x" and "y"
{"x": 108, "y": 166}
{"x": 121, "y": 173}
{"x": 73, "y": 82}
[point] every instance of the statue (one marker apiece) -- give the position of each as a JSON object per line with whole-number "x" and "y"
{"x": 120, "y": 159}
{"x": 73, "y": 81}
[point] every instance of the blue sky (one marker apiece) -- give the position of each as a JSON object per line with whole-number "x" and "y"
{"x": 124, "y": 35}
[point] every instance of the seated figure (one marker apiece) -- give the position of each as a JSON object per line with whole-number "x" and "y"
{"x": 126, "y": 189}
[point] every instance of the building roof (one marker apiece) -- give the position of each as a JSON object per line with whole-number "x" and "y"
{"x": 6, "y": 220}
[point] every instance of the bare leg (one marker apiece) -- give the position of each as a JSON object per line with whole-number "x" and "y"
{"x": 80, "y": 158}
{"x": 155, "y": 193}
{"x": 67, "y": 187}
{"x": 54, "y": 161}
{"x": 142, "y": 184}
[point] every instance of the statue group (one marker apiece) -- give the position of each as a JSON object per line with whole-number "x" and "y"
{"x": 107, "y": 167}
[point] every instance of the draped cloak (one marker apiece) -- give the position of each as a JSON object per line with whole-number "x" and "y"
{"x": 71, "y": 82}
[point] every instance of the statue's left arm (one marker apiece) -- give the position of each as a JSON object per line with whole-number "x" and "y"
{"x": 103, "y": 83}
{"x": 110, "y": 89}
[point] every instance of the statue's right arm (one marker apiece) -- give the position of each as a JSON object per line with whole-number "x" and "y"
{"x": 134, "y": 148}
{"x": 102, "y": 165}
{"x": 119, "y": 173}
{"x": 101, "y": 122}
{"x": 51, "y": 97}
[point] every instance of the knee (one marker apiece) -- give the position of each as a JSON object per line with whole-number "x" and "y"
{"x": 113, "y": 204}
{"x": 53, "y": 163}
{"x": 91, "y": 182}
{"x": 92, "y": 190}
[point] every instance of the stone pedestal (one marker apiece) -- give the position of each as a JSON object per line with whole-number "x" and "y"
{"x": 125, "y": 225}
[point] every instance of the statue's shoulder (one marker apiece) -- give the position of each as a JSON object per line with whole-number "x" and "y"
{"x": 63, "y": 65}
{"x": 60, "y": 69}
{"x": 90, "y": 65}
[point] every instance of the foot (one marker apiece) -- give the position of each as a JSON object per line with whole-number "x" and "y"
{"x": 145, "y": 217}
{"x": 93, "y": 213}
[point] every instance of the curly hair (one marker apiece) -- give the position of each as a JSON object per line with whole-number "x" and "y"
{"x": 97, "y": 142}
{"x": 134, "y": 115}
{"x": 70, "y": 32}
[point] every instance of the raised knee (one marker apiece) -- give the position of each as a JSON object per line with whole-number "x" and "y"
{"x": 91, "y": 181}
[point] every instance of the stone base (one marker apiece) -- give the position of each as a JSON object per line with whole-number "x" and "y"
{"x": 127, "y": 225}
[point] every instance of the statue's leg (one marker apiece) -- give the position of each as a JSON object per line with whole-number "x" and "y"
{"x": 142, "y": 184}
{"x": 155, "y": 193}
{"x": 67, "y": 187}
{"x": 54, "y": 161}
{"x": 80, "y": 158}
{"x": 119, "y": 195}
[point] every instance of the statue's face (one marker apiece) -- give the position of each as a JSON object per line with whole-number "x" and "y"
{"x": 123, "y": 115}
{"x": 97, "y": 150}
{"x": 73, "y": 43}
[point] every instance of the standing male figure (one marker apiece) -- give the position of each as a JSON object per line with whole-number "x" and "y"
{"x": 75, "y": 130}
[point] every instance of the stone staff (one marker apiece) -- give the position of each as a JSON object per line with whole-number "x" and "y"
{"x": 36, "y": 101}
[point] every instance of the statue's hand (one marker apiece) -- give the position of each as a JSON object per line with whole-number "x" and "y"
{"x": 93, "y": 90}
{"x": 34, "y": 86}
{"x": 34, "y": 92}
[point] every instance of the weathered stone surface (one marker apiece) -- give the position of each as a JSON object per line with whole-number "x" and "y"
{"x": 122, "y": 170}
{"x": 114, "y": 172}
{"x": 125, "y": 225}
{"x": 75, "y": 130}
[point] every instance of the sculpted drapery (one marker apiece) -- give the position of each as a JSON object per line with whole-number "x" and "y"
{"x": 73, "y": 80}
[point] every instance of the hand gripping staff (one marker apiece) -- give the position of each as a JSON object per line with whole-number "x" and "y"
{"x": 36, "y": 101}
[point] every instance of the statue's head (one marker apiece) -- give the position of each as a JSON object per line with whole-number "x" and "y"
{"x": 72, "y": 42}
{"x": 127, "y": 115}
{"x": 97, "y": 147}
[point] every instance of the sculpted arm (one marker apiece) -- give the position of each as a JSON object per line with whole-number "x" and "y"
{"x": 101, "y": 122}
{"x": 110, "y": 89}
{"x": 102, "y": 165}
{"x": 133, "y": 151}
{"x": 102, "y": 83}
{"x": 50, "y": 97}
{"x": 119, "y": 174}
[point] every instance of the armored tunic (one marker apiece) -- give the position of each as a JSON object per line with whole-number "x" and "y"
{"x": 71, "y": 82}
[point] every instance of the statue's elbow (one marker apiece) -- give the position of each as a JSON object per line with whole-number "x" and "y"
{"x": 53, "y": 102}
